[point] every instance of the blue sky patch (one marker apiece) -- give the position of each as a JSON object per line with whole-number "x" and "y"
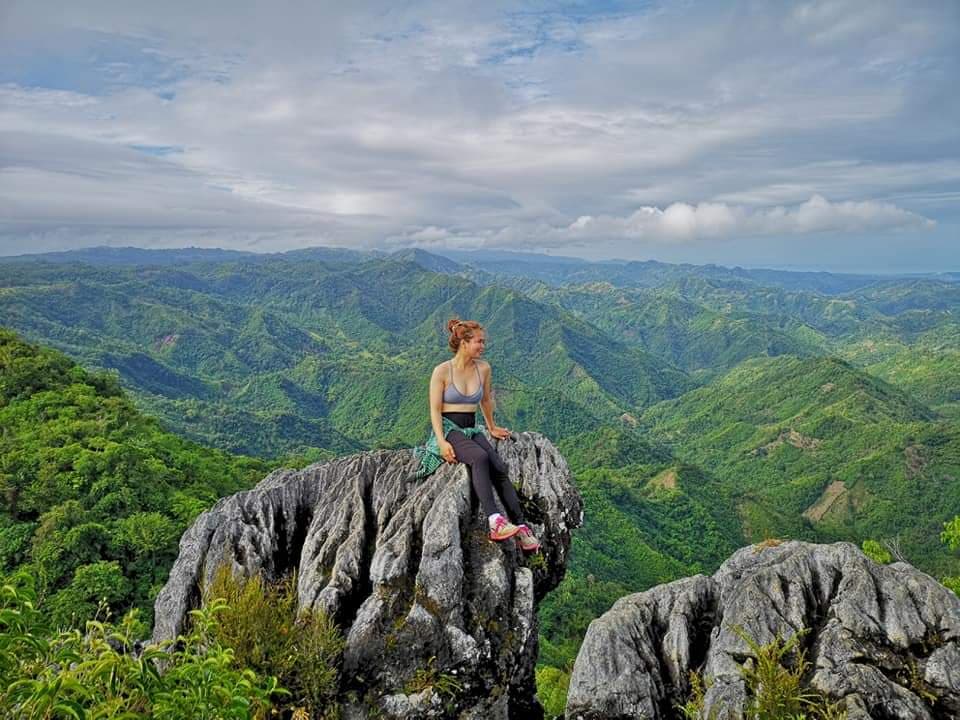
{"x": 157, "y": 150}
{"x": 87, "y": 62}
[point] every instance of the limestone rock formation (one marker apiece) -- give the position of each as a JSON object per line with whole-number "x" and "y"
{"x": 406, "y": 569}
{"x": 884, "y": 641}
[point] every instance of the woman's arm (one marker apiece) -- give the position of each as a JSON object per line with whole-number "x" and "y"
{"x": 436, "y": 416}
{"x": 436, "y": 402}
{"x": 487, "y": 405}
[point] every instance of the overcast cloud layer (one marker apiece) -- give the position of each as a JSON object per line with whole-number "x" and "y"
{"x": 806, "y": 134}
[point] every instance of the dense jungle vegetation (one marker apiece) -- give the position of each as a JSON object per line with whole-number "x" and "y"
{"x": 95, "y": 494}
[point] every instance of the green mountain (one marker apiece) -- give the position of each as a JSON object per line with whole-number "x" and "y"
{"x": 936, "y": 297}
{"x": 693, "y": 337}
{"x": 906, "y": 331}
{"x": 558, "y": 270}
{"x": 95, "y": 495}
{"x": 104, "y": 255}
{"x": 816, "y": 448}
{"x": 891, "y": 308}
{"x": 830, "y": 315}
{"x": 927, "y": 366}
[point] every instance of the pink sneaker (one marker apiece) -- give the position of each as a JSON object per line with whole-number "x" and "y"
{"x": 503, "y": 529}
{"x": 528, "y": 541}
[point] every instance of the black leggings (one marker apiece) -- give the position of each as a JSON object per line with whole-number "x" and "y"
{"x": 486, "y": 467}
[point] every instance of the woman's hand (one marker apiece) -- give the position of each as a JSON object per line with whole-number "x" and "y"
{"x": 446, "y": 449}
{"x": 500, "y": 433}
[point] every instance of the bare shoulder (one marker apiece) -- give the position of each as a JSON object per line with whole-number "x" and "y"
{"x": 484, "y": 366}
{"x": 440, "y": 369}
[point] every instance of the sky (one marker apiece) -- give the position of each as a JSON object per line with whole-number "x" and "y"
{"x": 808, "y": 135}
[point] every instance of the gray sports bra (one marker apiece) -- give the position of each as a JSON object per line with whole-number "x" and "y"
{"x": 453, "y": 396}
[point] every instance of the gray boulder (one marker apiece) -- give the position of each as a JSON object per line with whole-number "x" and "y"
{"x": 883, "y": 641}
{"x": 405, "y": 567}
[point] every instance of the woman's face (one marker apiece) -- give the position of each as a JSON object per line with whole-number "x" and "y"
{"x": 476, "y": 345}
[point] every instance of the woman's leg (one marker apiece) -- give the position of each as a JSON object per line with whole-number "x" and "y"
{"x": 474, "y": 456}
{"x": 501, "y": 480}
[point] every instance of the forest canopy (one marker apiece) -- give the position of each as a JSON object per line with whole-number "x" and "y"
{"x": 95, "y": 495}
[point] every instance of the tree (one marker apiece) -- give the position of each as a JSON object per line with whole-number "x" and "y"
{"x": 94, "y": 584}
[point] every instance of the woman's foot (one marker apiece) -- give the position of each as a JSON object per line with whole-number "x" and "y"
{"x": 502, "y": 529}
{"x": 528, "y": 541}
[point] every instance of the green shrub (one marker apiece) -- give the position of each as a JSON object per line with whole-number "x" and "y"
{"x": 951, "y": 533}
{"x": 775, "y": 691}
{"x": 260, "y": 622}
{"x": 68, "y": 674}
{"x": 951, "y": 538}
{"x": 429, "y": 678}
{"x": 876, "y": 552}
{"x": 774, "y": 678}
{"x": 952, "y": 583}
{"x": 204, "y": 679}
{"x": 552, "y": 687}
{"x": 693, "y": 708}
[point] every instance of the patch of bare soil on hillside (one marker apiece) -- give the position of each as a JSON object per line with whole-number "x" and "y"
{"x": 833, "y": 492}
{"x": 916, "y": 460}
{"x": 791, "y": 437}
{"x": 666, "y": 480}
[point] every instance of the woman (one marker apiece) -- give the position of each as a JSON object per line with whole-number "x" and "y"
{"x": 453, "y": 417}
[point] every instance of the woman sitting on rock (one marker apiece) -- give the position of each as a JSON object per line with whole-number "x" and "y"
{"x": 456, "y": 438}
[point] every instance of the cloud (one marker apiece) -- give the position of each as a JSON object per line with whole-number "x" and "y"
{"x": 680, "y": 222}
{"x": 449, "y": 122}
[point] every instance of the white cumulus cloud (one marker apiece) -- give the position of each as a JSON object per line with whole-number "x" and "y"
{"x": 681, "y": 222}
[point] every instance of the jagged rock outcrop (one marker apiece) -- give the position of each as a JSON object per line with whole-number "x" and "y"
{"x": 882, "y": 640}
{"x": 406, "y": 569}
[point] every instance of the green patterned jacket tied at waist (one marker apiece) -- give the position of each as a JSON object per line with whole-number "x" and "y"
{"x": 429, "y": 453}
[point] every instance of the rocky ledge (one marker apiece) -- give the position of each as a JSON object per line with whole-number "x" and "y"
{"x": 882, "y": 640}
{"x": 406, "y": 569}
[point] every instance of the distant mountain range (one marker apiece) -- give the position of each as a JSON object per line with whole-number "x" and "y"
{"x": 554, "y": 269}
